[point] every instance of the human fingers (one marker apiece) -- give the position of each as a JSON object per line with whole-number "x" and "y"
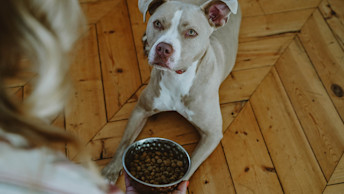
{"x": 182, "y": 187}
{"x": 129, "y": 188}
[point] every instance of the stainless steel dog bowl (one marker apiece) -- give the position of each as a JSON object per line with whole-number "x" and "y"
{"x": 149, "y": 145}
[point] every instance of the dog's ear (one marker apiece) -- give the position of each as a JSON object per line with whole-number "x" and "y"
{"x": 218, "y": 11}
{"x": 150, "y": 6}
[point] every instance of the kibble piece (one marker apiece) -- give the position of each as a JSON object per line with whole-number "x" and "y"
{"x": 179, "y": 163}
{"x": 167, "y": 162}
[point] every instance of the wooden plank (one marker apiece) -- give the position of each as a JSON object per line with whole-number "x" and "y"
{"x": 212, "y": 176}
{"x": 326, "y": 56}
{"x": 94, "y": 11}
{"x": 139, "y": 28}
{"x": 274, "y": 23}
{"x": 261, "y": 52}
{"x": 121, "y": 76}
{"x": 338, "y": 174}
{"x": 334, "y": 189}
{"x": 85, "y": 114}
{"x": 333, "y": 12}
{"x": 290, "y": 152}
{"x": 125, "y": 111}
{"x": 250, "y": 8}
{"x": 248, "y": 157}
{"x": 319, "y": 118}
{"x": 229, "y": 112}
{"x": 239, "y": 85}
{"x": 290, "y": 5}
{"x": 85, "y": 65}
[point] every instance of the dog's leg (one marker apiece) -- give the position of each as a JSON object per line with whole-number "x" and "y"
{"x": 205, "y": 147}
{"x": 134, "y": 126}
{"x": 210, "y": 128}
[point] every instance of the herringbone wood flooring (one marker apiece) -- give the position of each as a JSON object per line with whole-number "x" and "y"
{"x": 282, "y": 106}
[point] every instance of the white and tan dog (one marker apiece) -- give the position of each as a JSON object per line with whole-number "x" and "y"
{"x": 192, "y": 47}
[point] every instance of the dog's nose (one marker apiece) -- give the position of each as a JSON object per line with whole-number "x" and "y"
{"x": 164, "y": 49}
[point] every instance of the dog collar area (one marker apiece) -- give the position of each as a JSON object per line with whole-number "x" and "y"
{"x": 180, "y": 71}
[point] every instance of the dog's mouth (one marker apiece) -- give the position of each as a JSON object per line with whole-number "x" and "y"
{"x": 165, "y": 67}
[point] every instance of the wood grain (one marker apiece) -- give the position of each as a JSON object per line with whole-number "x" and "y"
{"x": 334, "y": 189}
{"x": 261, "y": 51}
{"x": 326, "y": 56}
{"x": 272, "y": 24}
{"x": 290, "y": 152}
{"x": 229, "y": 112}
{"x": 250, "y": 8}
{"x": 290, "y": 5}
{"x": 247, "y": 156}
{"x": 240, "y": 85}
{"x": 128, "y": 107}
{"x": 139, "y": 28}
{"x": 95, "y": 11}
{"x": 120, "y": 71}
{"x": 212, "y": 176}
{"x": 318, "y": 117}
{"x": 85, "y": 114}
{"x": 338, "y": 174}
{"x": 333, "y": 12}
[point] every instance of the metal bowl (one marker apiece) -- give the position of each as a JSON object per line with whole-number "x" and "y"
{"x": 155, "y": 144}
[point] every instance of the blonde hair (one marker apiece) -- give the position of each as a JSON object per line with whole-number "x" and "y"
{"x": 42, "y": 31}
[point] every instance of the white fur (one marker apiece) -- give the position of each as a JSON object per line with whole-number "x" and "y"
{"x": 14, "y": 139}
{"x": 170, "y": 37}
{"x": 173, "y": 87}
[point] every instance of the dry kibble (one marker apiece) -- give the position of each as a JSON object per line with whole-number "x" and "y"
{"x": 156, "y": 167}
{"x": 179, "y": 163}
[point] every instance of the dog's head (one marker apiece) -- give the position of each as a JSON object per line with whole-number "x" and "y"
{"x": 178, "y": 33}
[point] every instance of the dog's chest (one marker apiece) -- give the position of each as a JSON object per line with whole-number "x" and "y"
{"x": 173, "y": 89}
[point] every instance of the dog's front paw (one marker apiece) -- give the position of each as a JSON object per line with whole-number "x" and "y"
{"x": 111, "y": 173}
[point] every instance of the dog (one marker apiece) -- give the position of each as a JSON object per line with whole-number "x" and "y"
{"x": 192, "y": 46}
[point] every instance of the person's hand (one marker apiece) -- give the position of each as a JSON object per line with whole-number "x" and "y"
{"x": 128, "y": 187}
{"x": 181, "y": 189}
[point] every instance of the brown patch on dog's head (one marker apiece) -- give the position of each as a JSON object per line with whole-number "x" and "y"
{"x": 154, "y": 5}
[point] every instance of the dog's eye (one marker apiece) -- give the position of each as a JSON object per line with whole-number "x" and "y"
{"x": 191, "y": 33}
{"x": 157, "y": 25}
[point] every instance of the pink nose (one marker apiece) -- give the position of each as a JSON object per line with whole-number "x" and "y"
{"x": 164, "y": 50}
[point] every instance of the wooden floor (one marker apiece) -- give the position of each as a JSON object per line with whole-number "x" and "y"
{"x": 282, "y": 106}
